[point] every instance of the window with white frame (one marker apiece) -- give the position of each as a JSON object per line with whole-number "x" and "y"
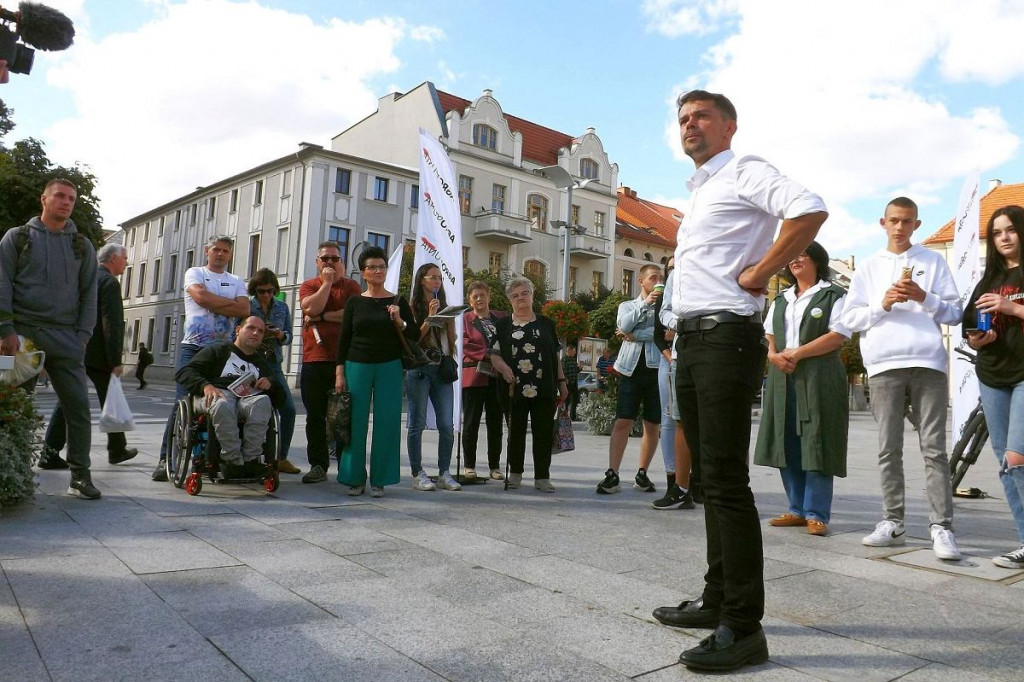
{"x": 172, "y": 273}
{"x": 599, "y": 219}
{"x": 211, "y": 208}
{"x": 465, "y": 194}
{"x": 343, "y": 181}
{"x": 254, "y": 254}
{"x": 572, "y": 279}
{"x": 498, "y": 199}
{"x": 282, "y": 251}
{"x": 535, "y": 269}
{"x": 258, "y": 196}
{"x": 575, "y": 215}
{"x": 596, "y": 283}
{"x": 156, "y": 276}
{"x": 340, "y": 236}
{"x": 286, "y": 184}
{"x": 485, "y": 136}
{"x": 380, "y": 240}
{"x": 380, "y": 189}
{"x": 628, "y": 277}
{"x": 165, "y": 346}
{"x": 589, "y": 169}
{"x": 192, "y": 213}
{"x": 628, "y": 253}
{"x": 234, "y": 201}
{"x": 414, "y": 197}
{"x": 537, "y": 211}
{"x": 495, "y": 261}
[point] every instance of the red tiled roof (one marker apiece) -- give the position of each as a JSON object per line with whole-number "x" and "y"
{"x": 660, "y": 223}
{"x": 1004, "y": 195}
{"x": 540, "y": 144}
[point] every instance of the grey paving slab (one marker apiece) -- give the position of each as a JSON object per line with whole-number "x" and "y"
{"x": 428, "y": 627}
{"x": 118, "y": 518}
{"x": 159, "y": 552}
{"x": 360, "y": 601}
{"x": 25, "y": 539}
{"x": 342, "y": 538}
{"x": 814, "y": 596}
{"x": 826, "y": 656}
{"x": 521, "y": 607}
{"x": 981, "y": 568}
{"x": 21, "y": 659}
{"x": 401, "y": 562}
{"x": 296, "y": 563}
{"x": 226, "y": 531}
{"x": 627, "y": 645}
{"x": 766, "y": 672}
{"x": 517, "y": 658}
{"x": 174, "y": 502}
{"x": 237, "y": 598}
{"x": 272, "y": 510}
{"x": 937, "y": 671}
{"x": 319, "y": 651}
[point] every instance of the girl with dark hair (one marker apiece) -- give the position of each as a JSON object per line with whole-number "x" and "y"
{"x": 264, "y": 304}
{"x": 1000, "y": 296}
{"x": 370, "y": 367}
{"x": 805, "y": 419}
{"x": 423, "y": 383}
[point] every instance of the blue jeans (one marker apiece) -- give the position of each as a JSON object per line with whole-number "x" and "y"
{"x": 809, "y": 492}
{"x": 666, "y": 386}
{"x": 420, "y": 384}
{"x": 1004, "y": 413}
{"x": 287, "y": 411}
{"x": 185, "y": 355}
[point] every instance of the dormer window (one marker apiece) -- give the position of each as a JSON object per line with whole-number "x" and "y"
{"x": 485, "y": 136}
{"x": 589, "y": 169}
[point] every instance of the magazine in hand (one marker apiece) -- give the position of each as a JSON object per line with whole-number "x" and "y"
{"x": 449, "y": 313}
{"x": 244, "y": 385}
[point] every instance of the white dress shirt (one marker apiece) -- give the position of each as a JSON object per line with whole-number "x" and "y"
{"x": 795, "y": 314}
{"x": 735, "y": 209}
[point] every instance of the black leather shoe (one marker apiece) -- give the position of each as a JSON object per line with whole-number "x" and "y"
{"x": 722, "y": 651}
{"x": 160, "y": 473}
{"x": 123, "y": 457}
{"x": 689, "y": 614}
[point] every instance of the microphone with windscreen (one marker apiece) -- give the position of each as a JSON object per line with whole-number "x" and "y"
{"x": 33, "y": 24}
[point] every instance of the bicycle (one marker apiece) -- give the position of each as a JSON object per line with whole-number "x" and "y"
{"x": 968, "y": 447}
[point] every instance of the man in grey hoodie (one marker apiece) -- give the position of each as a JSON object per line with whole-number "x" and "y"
{"x": 48, "y": 294}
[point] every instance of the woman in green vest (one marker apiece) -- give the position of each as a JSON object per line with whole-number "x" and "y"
{"x": 805, "y": 418}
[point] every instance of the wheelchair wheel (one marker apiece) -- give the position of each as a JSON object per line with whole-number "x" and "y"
{"x": 272, "y": 444}
{"x": 179, "y": 449}
{"x": 272, "y": 483}
{"x": 194, "y": 484}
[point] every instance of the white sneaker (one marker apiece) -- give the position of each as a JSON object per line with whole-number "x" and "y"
{"x": 943, "y": 543}
{"x": 544, "y": 485}
{"x": 1014, "y": 559}
{"x": 376, "y": 491}
{"x": 446, "y": 482}
{"x": 496, "y": 475}
{"x": 422, "y": 482}
{"x": 469, "y": 473}
{"x": 515, "y": 480}
{"x": 886, "y": 534}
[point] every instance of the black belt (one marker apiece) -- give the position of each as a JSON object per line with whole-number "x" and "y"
{"x": 705, "y": 322}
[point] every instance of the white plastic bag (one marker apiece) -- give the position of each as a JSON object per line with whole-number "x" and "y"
{"x": 116, "y": 416}
{"x": 27, "y": 363}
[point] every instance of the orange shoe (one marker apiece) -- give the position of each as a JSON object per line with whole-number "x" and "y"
{"x": 816, "y": 527}
{"x": 787, "y": 519}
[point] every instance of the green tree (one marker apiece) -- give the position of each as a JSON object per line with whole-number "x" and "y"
{"x": 24, "y": 172}
{"x": 589, "y": 301}
{"x": 602, "y": 320}
{"x": 849, "y": 352}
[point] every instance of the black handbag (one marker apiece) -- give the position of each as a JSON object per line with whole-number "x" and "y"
{"x": 339, "y": 417}
{"x": 412, "y": 355}
{"x": 447, "y": 369}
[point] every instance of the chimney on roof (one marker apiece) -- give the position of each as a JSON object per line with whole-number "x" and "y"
{"x": 994, "y": 183}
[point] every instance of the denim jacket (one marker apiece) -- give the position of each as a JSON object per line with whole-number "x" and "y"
{"x": 637, "y": 318}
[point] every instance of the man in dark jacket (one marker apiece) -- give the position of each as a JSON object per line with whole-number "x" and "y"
{"x": 102, "y": 358}
{"x": 230, "y": 383}
{"x": 48, "y": 294}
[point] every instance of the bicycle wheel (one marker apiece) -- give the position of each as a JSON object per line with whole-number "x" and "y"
{"x": 967, "y": 449}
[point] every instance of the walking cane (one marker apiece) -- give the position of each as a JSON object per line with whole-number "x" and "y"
{"x": 508, "y": 428}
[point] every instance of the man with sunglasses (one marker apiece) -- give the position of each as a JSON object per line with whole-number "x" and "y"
{"x": 323, "y": 301}
{"x": 213, "y": 299}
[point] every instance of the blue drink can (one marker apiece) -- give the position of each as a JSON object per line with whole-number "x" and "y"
{"x": 984, "y": 321}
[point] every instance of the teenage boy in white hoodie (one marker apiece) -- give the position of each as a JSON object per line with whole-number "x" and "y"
{"x": 897, "y": 300}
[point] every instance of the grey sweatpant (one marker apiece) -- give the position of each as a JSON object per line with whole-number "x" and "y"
{"x": 65, "y": 365}
{"x": 225, "y": 413}
{"x": 928, "y": 399}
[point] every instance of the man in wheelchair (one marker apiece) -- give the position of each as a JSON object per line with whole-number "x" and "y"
{"x": 229, "y": 382}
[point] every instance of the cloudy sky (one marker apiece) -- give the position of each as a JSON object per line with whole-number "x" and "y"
{"x": 859, "y": 101}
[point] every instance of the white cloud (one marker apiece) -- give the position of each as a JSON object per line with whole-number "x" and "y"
{"x": 209, "y": 88}
{"x": 427, "y": 34}
{"x": 675, "y": 18}
{"x": 855, "y": 100}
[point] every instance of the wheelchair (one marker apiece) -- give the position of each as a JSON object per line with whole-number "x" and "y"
{"x": 193, "y": 451}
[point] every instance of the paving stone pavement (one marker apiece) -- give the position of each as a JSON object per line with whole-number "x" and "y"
{"x": 309, "y": 583}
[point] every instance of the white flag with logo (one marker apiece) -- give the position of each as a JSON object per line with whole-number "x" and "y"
{"x": 394, "y": 270}
{"x": 966, "y": 273}
{"x": 439, "y": 237}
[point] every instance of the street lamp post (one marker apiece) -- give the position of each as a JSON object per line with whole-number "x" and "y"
{"x": 562, "y": 179}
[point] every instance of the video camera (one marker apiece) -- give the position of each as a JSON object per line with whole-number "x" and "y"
{"x": 38, "y": 25}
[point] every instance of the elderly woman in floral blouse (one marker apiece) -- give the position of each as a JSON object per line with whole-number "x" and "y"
{"x": 526, "y": 358}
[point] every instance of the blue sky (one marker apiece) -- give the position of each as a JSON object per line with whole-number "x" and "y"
{"x": 859, "y": 102}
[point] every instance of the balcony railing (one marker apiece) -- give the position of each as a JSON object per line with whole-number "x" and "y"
{"x": 589, "y": 246}
{"x": 499, "y": 226}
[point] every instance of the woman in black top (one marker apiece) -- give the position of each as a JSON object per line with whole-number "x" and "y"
{"x": 1000, "y": 295}
{"x": 370, "y": 367}
{"x": 526, "y": 358}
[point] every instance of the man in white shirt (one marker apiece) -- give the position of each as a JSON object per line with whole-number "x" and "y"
{"x": 213, "y": 299}
{"x": 897, "y": 299}
{"x": 637, "y": 366}
{"x": 724, "y": 259}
